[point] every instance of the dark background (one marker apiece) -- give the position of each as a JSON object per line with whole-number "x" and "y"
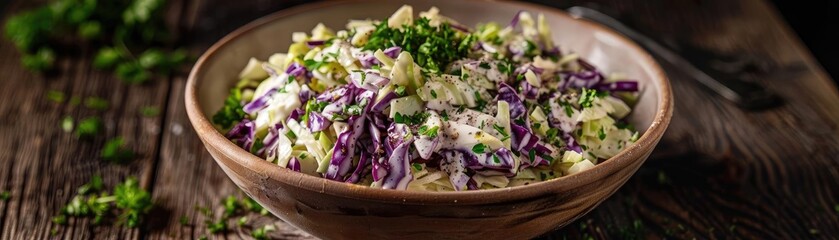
{"x": 815, "y": 22}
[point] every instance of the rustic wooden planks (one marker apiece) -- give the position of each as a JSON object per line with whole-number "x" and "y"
{"x": 719, "y": 172}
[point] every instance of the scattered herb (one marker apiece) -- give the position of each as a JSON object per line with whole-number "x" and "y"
{"x": 484, "y": 65}
{"x": 587, "y": 97}
{"x": 115, "y": 151}
{"x": 55, "y": 96}
{"x": 96, "y": 103}
{"x": 129, "y": 201}
{"x": 433, "y": 94}
{"x": 417, "y": 166}
{"x": 132, "y": 25}
{"x": 262, "y": 233}
{"x": 89, "y": 127}
{"x": 150, "y": 111}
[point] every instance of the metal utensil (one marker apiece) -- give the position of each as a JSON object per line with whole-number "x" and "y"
{"x": 745, "y": 94}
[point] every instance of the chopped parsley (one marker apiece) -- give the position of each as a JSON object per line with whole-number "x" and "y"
{"x": 150, "y": 111}
{"x": 116, "y": 151}
{"x": 433, "y": 48}
{"x": 484, "y": 65}
{"x": 400, "y": 91}
{"x": 587, "y": 97}
{"x": 129, "y": 202}
{"x": 479, "y": 148}
{"x": 433, "y": 94}
{"x": 262, "y": 233}
{"x": 96, "y": 103}
{"x": 55, "y": 96}
{"x": 417, "y": 166}
{"x": 444, "y": 115}
{"x": 495, "y": 158}
{"x": 89, "y": 127}
{"x": 430, "y": 132}
{"x": 601, "y": 134}
{"x": 415, "y": 119}
{"x": 231, "y": 113}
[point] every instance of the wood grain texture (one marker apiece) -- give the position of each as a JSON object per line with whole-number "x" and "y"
{"x": 718, "y": 173}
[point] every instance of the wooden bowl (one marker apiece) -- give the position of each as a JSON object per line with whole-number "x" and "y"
{"x": 336, "y": 210}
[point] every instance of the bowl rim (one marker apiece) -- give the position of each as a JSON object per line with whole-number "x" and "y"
{"x": 212, "y": 138}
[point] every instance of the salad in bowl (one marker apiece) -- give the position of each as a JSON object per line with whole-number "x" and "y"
{"x": 424, "y": 103}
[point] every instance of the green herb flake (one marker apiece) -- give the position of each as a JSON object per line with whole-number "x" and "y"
{"x": 444, "y": 115}
{"x": 89, "y": 127}
{"x": 262, "y": 233}
{"x": 417, "y": 166}
{"x": 115, "y": 151}
{"x": 55, "y": 96}
{"x": 433, "y": 94}
{"x": 484, "y": 65}
{"x": 601, "y": 134}
{"x": 400, "y": 91}
{"x": 430, "y": 132}
{"x": 96, "y": 103}
{"x": 231, "y": 113}
{"x": 587, "y": 97}
{"x": 479, "y": 148}
{"x": 242, "y": 221}
{"x": 495, "y": 158}
{"x": 150, "y": 111}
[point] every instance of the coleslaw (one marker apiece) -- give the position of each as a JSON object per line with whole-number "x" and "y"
{"x": 427, "y": 104}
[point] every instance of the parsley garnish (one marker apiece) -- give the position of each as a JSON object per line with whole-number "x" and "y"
{"x": 417, "y": 166}
{"x": 150, "y": 111}
{"x": 129, "y": 199}
{"x": 55, "y": 96}
{"x": 430, "y": 132}
{"x": 400, "y": 91}
{"x": 444, "y": 115}
{"x": 115, "y": 151}
{"x": 433, "y": 94}
{"x": 231, "y": 113}
{"x": 262, "y": 233}
{"x": 587, "y": 97}
{"x": 479, "y": 148}
{"x": 601, "y": 134}
{"x": 433, "y": 48}
{"x": 89, "y": 127}
{"x": 417, "y": 118}
{"x": 484, "y": 65}
{"x": 96, "y": 103}
{"x": 495, "y": 158}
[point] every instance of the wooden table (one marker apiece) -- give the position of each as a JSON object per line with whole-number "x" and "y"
{"x": 719, "y": 171}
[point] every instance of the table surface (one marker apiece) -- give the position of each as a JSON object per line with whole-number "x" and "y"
{"x": 718, "y": 172}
